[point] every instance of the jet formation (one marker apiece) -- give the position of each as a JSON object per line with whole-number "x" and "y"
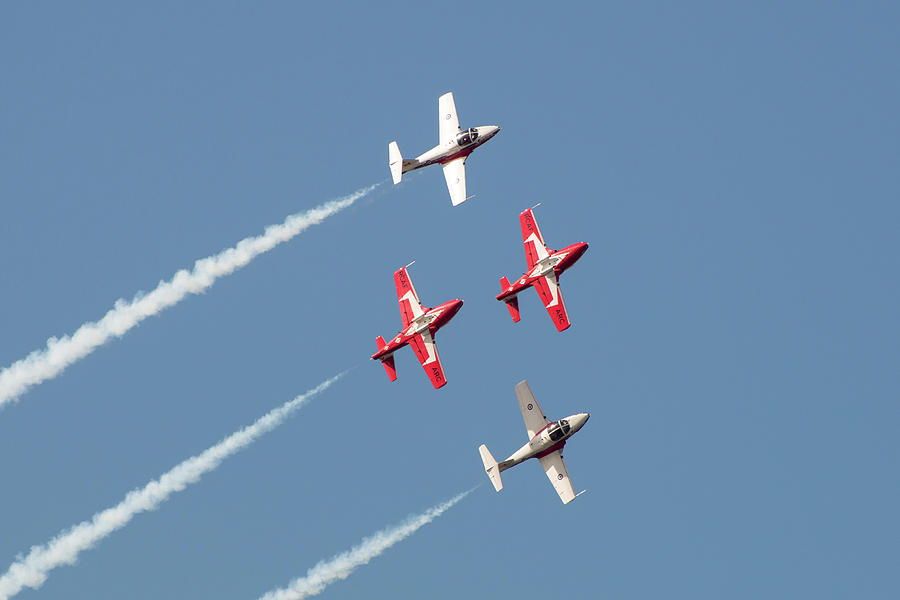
{"x": 545, "y": 266}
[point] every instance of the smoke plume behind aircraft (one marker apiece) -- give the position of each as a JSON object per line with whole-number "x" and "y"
{"x": 342, "y": 565}
{"x": 31, "y": 571}
{"x": 59, "y": 353}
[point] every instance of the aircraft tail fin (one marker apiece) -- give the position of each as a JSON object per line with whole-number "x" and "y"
{"x": 491, "y": 467}
{"x": 512, "y": 303}
{"x": 387, "y": 361}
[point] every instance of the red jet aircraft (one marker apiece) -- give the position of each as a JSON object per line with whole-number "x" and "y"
{"x": 545, "y": 267}
{"x": 420, "y": 324}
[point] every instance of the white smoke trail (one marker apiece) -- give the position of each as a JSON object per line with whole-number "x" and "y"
{"x": 46, "y": 363}
{"x": 341, "y": 566}
{"x": 64, "y": 549}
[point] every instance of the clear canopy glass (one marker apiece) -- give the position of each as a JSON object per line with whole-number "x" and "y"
{"x": 464, "y": 138}
{"x": 558, "y": 430}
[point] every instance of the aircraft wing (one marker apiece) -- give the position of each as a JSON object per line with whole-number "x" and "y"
{"x": 534, "y": 417}
{"x": 555, "y": 468}
{"x": 548, "y": 289}
{"x": 455, "y": 174}
{"x": 410, "y": 308}
{"x": 448, "y": 121}
{"x": 535, "y": 249}
{"x": 426, "y": 351}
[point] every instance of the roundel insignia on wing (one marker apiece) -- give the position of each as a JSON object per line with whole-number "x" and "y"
{"x": 530, "y": 406}
{"x": 447, "y": 118}
{"x": 560, "y": 476}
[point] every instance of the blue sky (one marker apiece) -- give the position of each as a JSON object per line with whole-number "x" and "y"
{"x": 735, "y": 325}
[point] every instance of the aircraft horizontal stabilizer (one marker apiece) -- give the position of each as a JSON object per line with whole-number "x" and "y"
{"x": 491, "y": 467}
{"x": 398, "y": 164}
{"x": 512, "y": 303}
{"x": 390, "y": 369}
{"x": 387, "y": 361}
{"x": 395, "y": 160}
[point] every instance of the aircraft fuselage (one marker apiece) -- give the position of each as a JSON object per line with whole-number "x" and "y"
{"x": 458, "y": 147}
{"x": 549, "y": 439}
{"x": 431, "y": 320}
{"x": 557, "y": 261}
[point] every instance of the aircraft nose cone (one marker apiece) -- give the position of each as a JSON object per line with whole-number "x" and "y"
{"x": 580, "y": 249}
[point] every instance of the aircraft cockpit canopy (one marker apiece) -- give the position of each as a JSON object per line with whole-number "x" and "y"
{"x": 464, "y": 138}
{"x": 558, "y": 430}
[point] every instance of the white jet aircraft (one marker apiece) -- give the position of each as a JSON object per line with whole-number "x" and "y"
{"x": 455, "y": 147}
{"x": 545, "y": 442}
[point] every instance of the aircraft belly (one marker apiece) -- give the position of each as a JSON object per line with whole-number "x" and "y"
{"x": 538, "y": 446}
{"x": 551, "y": 449}
{"x": 454, "y": 155}
{"x": 522, "y": 454}
{"x": 432, "y": 156}
{"x": 514, "y": 290}
{"x": 390, "y": 348}
{"x": 394, "y": 346}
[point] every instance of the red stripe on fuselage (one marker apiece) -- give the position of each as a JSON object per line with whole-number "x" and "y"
{"x": 551, "y": 449}
{"x": 461, "y": 154}
{"x": 542, "y": 429}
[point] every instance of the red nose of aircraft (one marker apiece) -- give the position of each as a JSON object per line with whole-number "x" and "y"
{"x": 580, "y": 248}
{"x": 574, "y": 253}
{"x": 453, "y": 307}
